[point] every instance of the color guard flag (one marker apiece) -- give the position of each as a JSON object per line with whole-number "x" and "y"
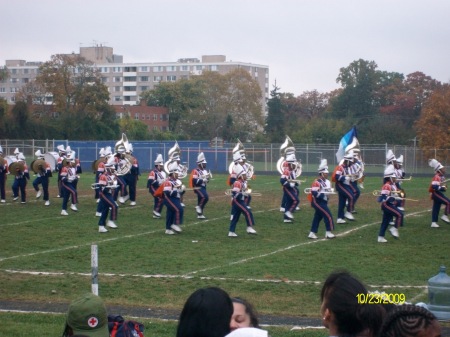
{"x": 345, "y": 141}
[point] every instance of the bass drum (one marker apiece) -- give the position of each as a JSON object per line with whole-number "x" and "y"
{"x": 52, "y": 159}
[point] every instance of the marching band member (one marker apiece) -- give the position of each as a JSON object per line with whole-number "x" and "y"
{"x": 247, "y": 167}
{"x": 237, "y": 162}
{"x": 120, "y": 163}
{"x": 238, "y": 206}
{"x": 436, "y": 190}
{"x": 199, "y": 179}
{"x": 345, "y": 193}
{"x": 132, "y": 176}
{"x": 106, "y": 183}
{"x": 355, "y": 170}
{"x": 400, "y": 174}
{"x": 388, "y": 198}
{"x": 21, "y": 178}
{"x": 319, "y": 192}
{"x": 98, "y": 172}
{"x": 69, "y": 190}
{"x": 156, "y": 178}
{"x": 42, "y": 178}
{"x": 3, "y": 173}
{"x": 78, "y": 170}
{"x": 173, "y": 190}
{"x": 59, "y": 165}
{"x": 290, "y": 188}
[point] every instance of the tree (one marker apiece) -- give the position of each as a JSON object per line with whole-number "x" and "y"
{"x": 359, "y": 81}
{"x": 79, "y": 98}
{"x": 433, "y": 128}
{"x": 275, "y": 121}
{"x": 19, "y": 119}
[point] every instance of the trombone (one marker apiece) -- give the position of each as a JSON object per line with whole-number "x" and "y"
{"x": 400, "y": 195}
{"x": 327, "y": 191}
{"x": 246, "y": 193}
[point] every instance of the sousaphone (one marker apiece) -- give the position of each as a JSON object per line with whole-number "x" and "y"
{"x": 174, "y": 154}
{"x": 288, "y": 148}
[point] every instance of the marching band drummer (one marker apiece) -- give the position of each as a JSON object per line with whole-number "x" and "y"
{"x": 319, "y": 202}
{"x": 345, "y": 193}
{"x": 173, "y": 190}
{"x": 238, "y": 206}
{"x": 69, "y": 190}
{"x": 388, "y": 198}
{"x": 156, "y": 177}
{"x": 436, "y": 189}
{"x": 290, "y": 189}
{"x": 21, "y": 178}
{"x": 199, "y": 179}
{"x": 42, "y": 178}
{"x": 3, "y": 172}
{"x": 106, "y": 183}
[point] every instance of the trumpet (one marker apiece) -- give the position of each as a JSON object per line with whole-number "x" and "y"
{"x": 98, "y": 185}
{"x": 208, "y": 175}
{"x": 377, "y": 193}
{"x": 327, "y": 191}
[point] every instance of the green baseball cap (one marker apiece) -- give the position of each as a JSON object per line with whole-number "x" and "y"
{"x": 87, "y": 316}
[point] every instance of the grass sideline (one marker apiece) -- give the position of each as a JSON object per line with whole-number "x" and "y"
{"x": 46, "y": 257}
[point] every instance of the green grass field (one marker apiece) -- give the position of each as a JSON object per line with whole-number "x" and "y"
{"x": 46, "y": 257}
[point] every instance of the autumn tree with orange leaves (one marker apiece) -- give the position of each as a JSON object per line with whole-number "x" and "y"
{"x": 433, "y": 126}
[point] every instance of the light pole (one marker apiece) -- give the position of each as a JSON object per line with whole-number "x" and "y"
{"x": 217, "y": 130}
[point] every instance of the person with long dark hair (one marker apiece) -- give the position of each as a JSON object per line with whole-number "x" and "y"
{"x": 345, "y": 307}
{"x": 206, "y": 313}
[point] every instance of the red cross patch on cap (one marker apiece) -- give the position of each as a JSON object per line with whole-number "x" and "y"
{"x": 93, "y": 322}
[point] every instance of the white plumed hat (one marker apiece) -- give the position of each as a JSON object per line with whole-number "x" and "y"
{"x": 323, "y": 167}
{"x": 237, "y": 156}
{"x": 159, "y": 159}
{"x": 173, "y": 167}
{"x": 290, "y": 158}
{"x": 389, "y": 171}
{"x": 400, "y": 159}
{"x": 390, "y": 156}
{"x": 201, "y": 158}
{"x": 435, "y": 164}
{"x": 38, "y": 154}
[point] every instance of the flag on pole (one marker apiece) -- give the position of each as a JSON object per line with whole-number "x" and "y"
{"x": 345, "y": 141}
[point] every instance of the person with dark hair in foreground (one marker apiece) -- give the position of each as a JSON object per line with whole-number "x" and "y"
{"x": 244, "y": 315}
{"x": 410, "y": 321}
{"x": 206, "y": 313}
{"x": 343, "y": 311}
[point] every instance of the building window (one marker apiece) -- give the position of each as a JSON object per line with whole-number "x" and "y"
{"x": 136, "y": 116}
{"x": 117, "y": 69}
{"x": 13, "y": 71}
{"x": 171, "y": 68}
{"x": 130, "y": 79}
{"x": 117, "y": 99}
{"x": 104, "y": 79}
{"x": 161, "y": 117}
{"x": 157, "y": 69}
{"x": 198, "y": 67}
{"x": 143, "y": 116}
{"x": 171, "y": 78}
{"x": 14, "y": 80}
{"x": 157, "y": 78}
{"x": 155, "y": 117}
{"x": 25, "y": 80}
{"x": 117, "y": 79}
{"x": 213, "y": 68}
{"x": 185, "y": 68}
{"x": 130, "y": 69}
{"x": 144, "y": 87}
{"x": 2, "y": 89}
{"x": 144, "y": 68}
{"x": 25, "y": 71}
{"x": 116, "y": 89}
{"x": 127, "y": 88}
{"x": 144, "y": 78}
{"x": 148, "y": 116}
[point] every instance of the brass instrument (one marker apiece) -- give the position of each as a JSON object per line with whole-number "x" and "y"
{"x": 297, "y": 181}
{"x": 239, "y": 148}
{"x": 38, "y": 166}
{"x": 174, "y": 154}
{"x": 404, "y": 179}
{"x": 288, "y": 148}
{"x": 247, "y": 192}
{"x": 400, "y": 195}
{"x": 327, "y": 191}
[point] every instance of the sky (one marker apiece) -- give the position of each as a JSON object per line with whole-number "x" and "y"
{"x": 304, "y": 43}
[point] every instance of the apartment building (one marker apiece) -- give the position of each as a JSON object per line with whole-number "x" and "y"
{"x": 126, "y": 81}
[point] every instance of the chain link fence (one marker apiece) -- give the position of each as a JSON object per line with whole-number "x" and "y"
{"x": 264, "y": 157}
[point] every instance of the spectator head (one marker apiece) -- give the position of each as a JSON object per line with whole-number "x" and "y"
{"x": 410, "y": 321}
{"x": 87, "y": 316}
{"x": 206, "y": 313}
{"x": 244, "y": 315}
{"x": 342, "y": 313}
